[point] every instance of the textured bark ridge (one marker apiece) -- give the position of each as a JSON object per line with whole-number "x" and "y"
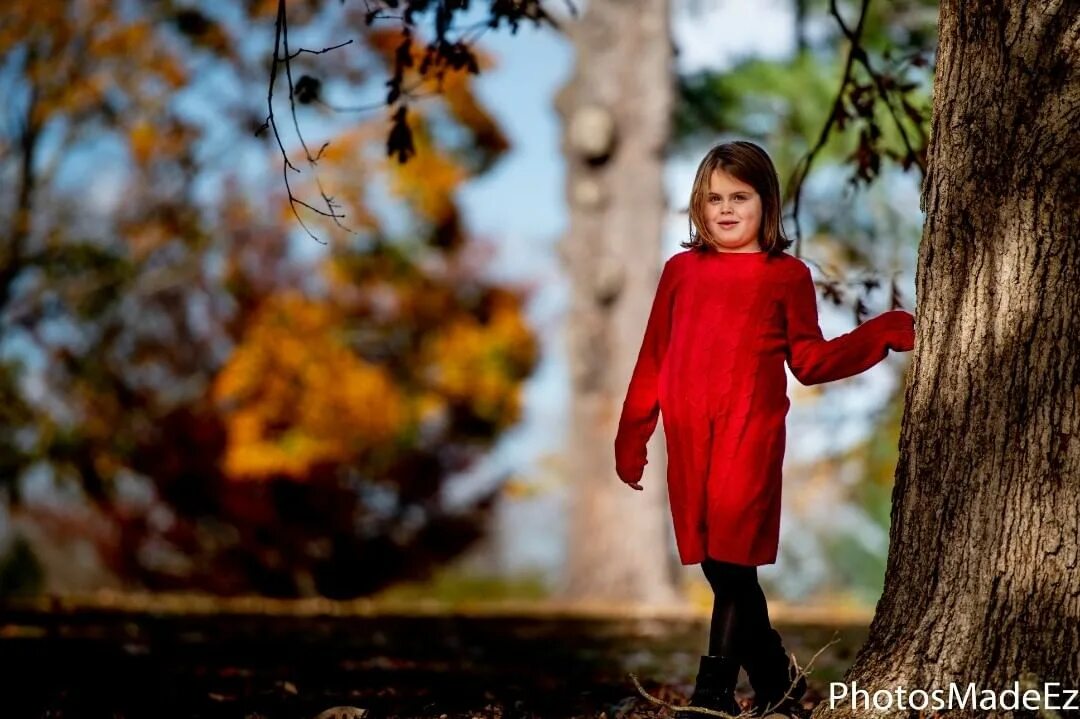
{"x": 983, "y": 577}
{"x": 615, "y": 112}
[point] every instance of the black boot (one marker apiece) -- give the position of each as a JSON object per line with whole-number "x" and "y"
{"x": 773, "y": 676}
{"x": 714, "y": 687}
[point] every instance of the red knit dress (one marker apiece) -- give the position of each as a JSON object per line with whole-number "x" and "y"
{"x": 721, "y": 326}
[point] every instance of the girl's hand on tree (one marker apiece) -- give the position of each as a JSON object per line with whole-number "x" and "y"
{"x": 903, "y": 339}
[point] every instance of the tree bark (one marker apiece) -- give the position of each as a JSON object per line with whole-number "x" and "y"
{"x": 615, "y": 111}
{"x": 983, "y": 578}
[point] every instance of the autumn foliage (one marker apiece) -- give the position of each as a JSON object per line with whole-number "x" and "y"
{"x": 225, "y": 404}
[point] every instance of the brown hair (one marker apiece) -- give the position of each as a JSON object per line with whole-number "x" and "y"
{"x": 750, "y": 164}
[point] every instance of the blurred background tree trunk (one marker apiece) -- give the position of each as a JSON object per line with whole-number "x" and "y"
{"x": 616, "y": 117}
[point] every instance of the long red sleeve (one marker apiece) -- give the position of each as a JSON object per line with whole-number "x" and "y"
{"x": 814, "y": 360}
{"x": 641, "y": 408}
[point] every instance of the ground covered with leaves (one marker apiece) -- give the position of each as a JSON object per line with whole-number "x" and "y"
{"x": 123, "y": 664}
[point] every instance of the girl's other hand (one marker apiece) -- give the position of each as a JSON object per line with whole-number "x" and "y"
{"x": 629, "y": 477}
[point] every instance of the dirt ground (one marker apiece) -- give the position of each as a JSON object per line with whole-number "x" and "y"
{"x": 125, "y": 664}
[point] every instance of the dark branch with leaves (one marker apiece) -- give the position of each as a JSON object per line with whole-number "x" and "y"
{"x": 857, "y": 101}
{"x": 450, "y": 49}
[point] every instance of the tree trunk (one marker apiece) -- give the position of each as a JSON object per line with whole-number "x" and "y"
{"x": 615, "y": 114}
{"x": 983, "y": 578}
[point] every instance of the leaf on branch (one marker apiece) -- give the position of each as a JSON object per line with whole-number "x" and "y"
{"x": 862, "y": 97}
{"x": 307, "y": 89}
{"x": 830, "y": 290}
{"x": 894, "y": 299}
{"x": 413, "y": 7}
{"x": 394, "y": 84}
{"x": 860, "y": 310}
{"x": 403, "y": 56}
{"x": 191, "y": 22}
{"x": 400, "y": 141}
{"x": 841, "y": 115}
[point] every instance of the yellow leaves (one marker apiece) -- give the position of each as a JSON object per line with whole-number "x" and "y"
{"x": 165, "y": 140}
{"x": 428, "y": 180}
{"x": 172, "y": 72}
{"x": 430, "y": 408}
{"x": 118, "y": 40}
{"x": 142, "y": 141}
{"x": 515, "y": 488}
{"x": 77, "y": 53}
{"x": 25, "y": 19}
{"x": 295, "y": 396}
{"x": 145, "y": 237}
{"x": 470, "y": 113}
{"x": 481, "y": 364}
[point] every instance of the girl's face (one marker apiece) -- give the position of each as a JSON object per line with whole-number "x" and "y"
{"x": 732, "y": 214}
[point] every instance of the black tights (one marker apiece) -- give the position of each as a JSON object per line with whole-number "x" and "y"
{"x": 739, "y": 609}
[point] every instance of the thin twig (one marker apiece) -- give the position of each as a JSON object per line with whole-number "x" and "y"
{"x": 808, "y": 159}
{"x": 270, "y": 122}
{"x": 288, "y": 74}
{"x": 467, "y": 36}
{"x": 282, "y": 55}
{"x": 679, "y": 707}
{"x": 371, "y": 107}
{"x": 320, "y": 52}
{"x": 799, "y": 674}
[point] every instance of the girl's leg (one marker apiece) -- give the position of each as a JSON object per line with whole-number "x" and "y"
{"x": 754, "y": 615}
{"x": 766, "y": 661}
{"x": 732, "y": 586}
{"x": 715, "y": 684}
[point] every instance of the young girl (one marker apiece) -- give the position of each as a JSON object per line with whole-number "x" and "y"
{"x": 728, "y": 312}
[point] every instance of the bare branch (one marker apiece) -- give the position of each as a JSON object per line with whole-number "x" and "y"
{"x": 451, "y": 48}
{"x": 282, "y": 55}
{"x": 885, "y": 88}
{"x": 320, "y": 52}
{"x": 292, "y": 86}
{"x": 802, "y": 168}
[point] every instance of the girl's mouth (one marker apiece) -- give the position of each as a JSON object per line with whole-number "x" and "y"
{"x": 727, "y": 224}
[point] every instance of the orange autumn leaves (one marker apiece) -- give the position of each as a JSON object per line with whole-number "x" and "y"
{"x": 78, "y": 55}
{"x": 480, "y": 363}
{"x": 296, "y": 396}
{"x": 300, "y": 393}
